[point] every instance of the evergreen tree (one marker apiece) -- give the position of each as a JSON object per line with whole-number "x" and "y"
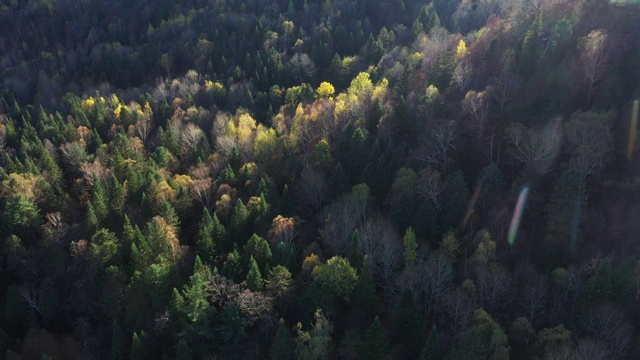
{"x": 406, "y": 327}
{"x": 100, "y": 200}
{"x": 232, "y": 267}
{"x": 283, "y": 346}
{"x": 258, "y": 248}
{"x": 365, "y": 301}
{"x": 92, "y": 219}
{"x": 431, "y": 350}
{"x": 137, "y": 347}
{"x": 354, "y": 254}
{"x": 118, "y": 343}
{"x": 231, "y": 331}
{"x": 254, "y": 278}
{"x": 375, "y": 344}
{"x": 205, "y": 245}
{"x": 117, "y": 198}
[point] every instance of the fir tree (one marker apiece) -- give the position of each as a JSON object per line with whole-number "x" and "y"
{"x": 137, "y": 347}
{"x": 205, "y": 244}
{"x": 375, "y": 344}
{"x": 254, "y": 278}
{"x": 283, "y": 346}
{"x": 407, "y": 324}
{"x": 118, "y": 343}
{"x": 431, "y": 350}
{"x": 232, "y": 267}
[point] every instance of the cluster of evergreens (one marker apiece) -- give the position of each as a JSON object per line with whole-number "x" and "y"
{"x": 312, "y": 179}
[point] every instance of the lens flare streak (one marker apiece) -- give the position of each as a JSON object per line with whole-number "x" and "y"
{"x": 517, "y": 215}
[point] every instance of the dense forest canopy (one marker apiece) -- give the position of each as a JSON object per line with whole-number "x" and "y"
{"x": 395, "y": 179}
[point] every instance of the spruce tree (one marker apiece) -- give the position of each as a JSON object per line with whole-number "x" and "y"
{"x": 232, "y": 267}
{"x": 205, "y": 244}
{"x": 254, "y": 278}
{"x": 375, "y": 344}
{"x": 364, "y": 300}
{"x": 283, "y": 346}
{"x": 431, "y": 350}
{"x": 407, "y": 324}
{"x": 100, "y": 200}
{"x": 137, "y": 347}
{"x": 118, "y": 343}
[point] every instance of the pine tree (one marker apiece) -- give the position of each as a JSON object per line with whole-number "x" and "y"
{"x": 232, "y": 267}
{"x": 231, "y": 331}
{"x": 205, "y": 245}
{"x": 365, "y": 300}
{"x": 354, "y": 254}
{"x": 92, "y": 219}
{"x": 431, "y": 350}
{"x": 407, "y": 324}
{"x": 137, "y": 347}
{"x": 117, "y": 198}
{"x": 254, "y": 278}
{"x": 118, "y": 343}
{"x": 239, "y": 225}
{"x": 258, "y": 248}
{"x": 283, "y": 346}
{"x": 375, "y": 344}
{"x": 100, "y": 200}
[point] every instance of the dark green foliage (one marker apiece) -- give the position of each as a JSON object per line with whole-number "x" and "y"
{"x": 375, "y": 344}
{"x": 138, "y": 350}
{"x": 254, "y": 278}
{"x": 431, "y": 350}
{"x": 206, "y": 245}
{"x": 283, "y": 346}
{"x": 230, "y": 332}
{"x": 21, "y": 217}
{"x": 455, "y": 201}
{"x": 406, "y": 327}
{"x": 365, "y": 301}
{"x": 258, "y": 248}
{"x": 118, "y": 343}
{"x": 232, "y": 266}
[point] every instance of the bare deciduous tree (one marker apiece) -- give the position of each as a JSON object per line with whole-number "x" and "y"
{"x": 608, "y": 323}
{"x": 594, "y": 55}
{"x": 459, "y": 307}
{"x": 476, "y": 104}
{"x": 430, "y": 186}
{"x": 537, "y": 148}
{"x": 312, "y": 189}
{"x": 202, "y": 191}
{"x": 437, "y": 277}
{"x": 462, "y": 76}
{"x": 439, "y": 143}
{"x": 589, "y": 135}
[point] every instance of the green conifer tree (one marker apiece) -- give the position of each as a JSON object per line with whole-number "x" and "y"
{"x": 254, "y": 278}
{"x": 375, "y": 345}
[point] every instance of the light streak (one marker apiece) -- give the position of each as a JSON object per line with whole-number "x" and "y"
{"x": 517, "y": 215}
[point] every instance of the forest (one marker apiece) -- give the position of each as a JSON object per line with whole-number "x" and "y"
{"x": 319, "y": 179}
